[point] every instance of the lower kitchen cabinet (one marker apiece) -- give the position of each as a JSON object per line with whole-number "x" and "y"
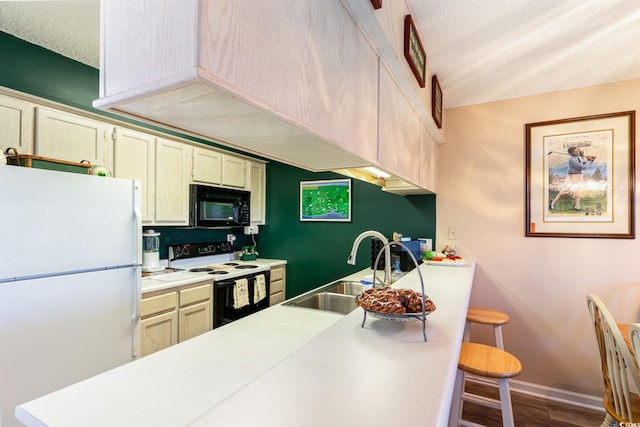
{"x": 159, "y": 324}
{"x": 278, "y": 284}
{"x": 194, "y": 317}
{"x": 174, "y": 315}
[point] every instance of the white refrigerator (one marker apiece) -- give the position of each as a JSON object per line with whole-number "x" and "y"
{"x": 70, "y": 280}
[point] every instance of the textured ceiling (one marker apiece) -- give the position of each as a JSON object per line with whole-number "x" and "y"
{"x": 481, "y": 50}
{"x": 488, "y": 50}
{"x": 70, "y": 28}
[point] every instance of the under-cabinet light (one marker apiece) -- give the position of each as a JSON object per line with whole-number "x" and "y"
{"x": 377, "y": 172}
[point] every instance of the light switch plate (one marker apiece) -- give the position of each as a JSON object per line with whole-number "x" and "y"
{"x": 453, "y": 232}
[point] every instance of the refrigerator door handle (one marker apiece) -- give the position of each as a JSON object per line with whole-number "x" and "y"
{"x": 138, "y": 219}
{"x": 135, "y": 320}
{"x": 137, "y": 289}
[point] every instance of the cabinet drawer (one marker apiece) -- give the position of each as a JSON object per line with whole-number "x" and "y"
{"x": 194, "y": 295}
{"x": 276, "y": 286}
{"x": 277, "y": 274}
{"x": 276, "y": 298}
{"x": 158, "y": 304}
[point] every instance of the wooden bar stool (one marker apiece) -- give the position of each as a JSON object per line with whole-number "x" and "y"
{"x": 489, "y": 362}
{"x": 486, "y": 316}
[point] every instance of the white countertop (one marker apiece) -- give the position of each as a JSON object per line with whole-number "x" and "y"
{"x": 285, "y": 366}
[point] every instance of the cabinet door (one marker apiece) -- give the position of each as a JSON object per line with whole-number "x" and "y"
{"x": 207, "y": 166}
{"x": 194, "y": 320}
{"x": 399, "y": 131}
{"x": 331, "y": 90}
{"x": 172, "y": 182}
{"x": 233, "y": 171}
{"x": 257, "y": 187}
{"x": 16, "y": 125}
{"x": 428, "y": 160}
{"x": 65, "y": 136}
{"x": 158, "y": 332}
{"x": 133, "y": 158}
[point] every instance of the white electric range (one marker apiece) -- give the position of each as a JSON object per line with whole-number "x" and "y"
{"x": 215, "y": 261}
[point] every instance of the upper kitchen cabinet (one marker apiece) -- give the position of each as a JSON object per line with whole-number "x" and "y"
{"x": 16, "y": 125}
{"x": 207, "y": 166}
{"x": 172, "y": 182}
{"x": 399, "y": 131}
{"x": 233, "y": 171}
{"x": 217, "y": 168}
{"x": 428, "y": 160}
{"x": 295, "y": 81}
{"x": 66, "y": 136}
{"x": 256, "y": 184}
{"x": 134, "y": 158}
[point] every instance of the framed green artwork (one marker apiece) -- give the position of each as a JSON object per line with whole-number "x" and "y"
{"x": 327, "y": 200}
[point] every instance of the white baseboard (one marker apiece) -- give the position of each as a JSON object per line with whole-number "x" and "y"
{"x": 550, "y": 393}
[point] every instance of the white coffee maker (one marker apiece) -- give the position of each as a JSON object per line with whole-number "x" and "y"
{"x": 151, "y": 251}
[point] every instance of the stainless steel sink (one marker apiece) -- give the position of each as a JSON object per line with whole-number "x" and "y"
{"x": 327, "y": 301}
{"x": 339, "y": 297}
{"x": 346, "y": 287}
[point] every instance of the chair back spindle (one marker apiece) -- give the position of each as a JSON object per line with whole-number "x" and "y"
{"x": 616, "y": 361}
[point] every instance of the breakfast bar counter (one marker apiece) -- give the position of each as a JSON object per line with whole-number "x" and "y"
{"x": 286, "y": 366}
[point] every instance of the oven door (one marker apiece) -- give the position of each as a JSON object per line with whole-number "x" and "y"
{"x": 224, "y": 308}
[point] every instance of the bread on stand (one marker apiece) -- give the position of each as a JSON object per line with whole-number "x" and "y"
{"x": 394, "y": 301}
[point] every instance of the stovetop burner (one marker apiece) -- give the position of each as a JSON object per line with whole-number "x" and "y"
{"x": 214, "y": 259}
{"x": 200, "y": 270}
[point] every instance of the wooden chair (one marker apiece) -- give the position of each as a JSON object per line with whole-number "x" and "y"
{"x": 617, "y": 365}
{"x": 489, "y": 362}
{"x": 486, "y": 316}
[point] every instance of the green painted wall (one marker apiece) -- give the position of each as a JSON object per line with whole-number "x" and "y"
{"x": 316, "y": 251}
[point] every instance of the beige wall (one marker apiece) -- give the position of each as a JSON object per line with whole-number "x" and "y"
{"x": 540, "y": 282}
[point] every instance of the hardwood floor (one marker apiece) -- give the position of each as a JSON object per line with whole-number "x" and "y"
{"x": 529, "y": 411}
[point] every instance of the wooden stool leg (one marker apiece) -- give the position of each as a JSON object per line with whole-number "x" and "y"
{"x": 505, "y": 403}
{"x": 456, "y": 400}
{"x": 497, "y": 330}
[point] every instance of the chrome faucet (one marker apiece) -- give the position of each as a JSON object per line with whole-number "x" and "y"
{"x": 387, "y": 252}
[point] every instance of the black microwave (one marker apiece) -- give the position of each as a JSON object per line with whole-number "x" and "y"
{"x": 218, "y": 207}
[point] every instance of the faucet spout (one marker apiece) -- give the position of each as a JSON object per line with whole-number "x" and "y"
{"x": 387, "y": 252}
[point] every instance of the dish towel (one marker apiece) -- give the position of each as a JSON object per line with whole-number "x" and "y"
{"x": 260, "y": 289}
{"x": 240, "y": 293}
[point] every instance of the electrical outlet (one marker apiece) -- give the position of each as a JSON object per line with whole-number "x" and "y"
{"x": 453, "y": 232}
{"x": 251, "y": 229}
{"x": 231, "y": 238}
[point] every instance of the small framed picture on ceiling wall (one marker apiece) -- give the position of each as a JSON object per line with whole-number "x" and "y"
{"x": 327, "y": 200}
{"x": 413, "y": 51}
{"x": 580, "y": 177}
{"x": 436, "y": 101}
